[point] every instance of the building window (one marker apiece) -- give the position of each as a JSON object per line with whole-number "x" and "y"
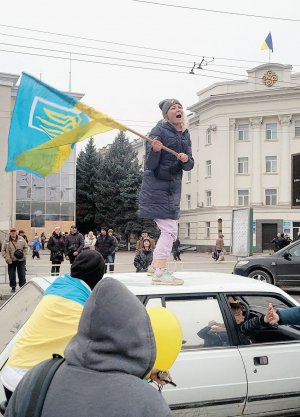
{"x": 243, "y": 165}
{"x": 187, "y": 229}
{"x": 53, "y": 198}
{"x": 271, "y": 164}
{"x": 297, "y": 128}
{"x": 208, "y": 136}
{"x": 207, "y": 229}
{"x": 188, "y": 201}
{"x": 271, "y": 131}
{"x": 188, "y": 176}
{"x": 243, "y": 130}
{"x": 243, "y": 197}
{"x": 208, "y": 198}
{"x": 208, "y": 169}
{"x": 271, "y": 197}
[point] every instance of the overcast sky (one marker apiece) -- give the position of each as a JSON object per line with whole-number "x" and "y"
{"x": 128, "y": 94}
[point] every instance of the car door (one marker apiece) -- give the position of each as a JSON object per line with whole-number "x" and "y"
{"x": 272, "y": 362}
{"x": 288, "y": 267}
{"x": 209, "y": 371}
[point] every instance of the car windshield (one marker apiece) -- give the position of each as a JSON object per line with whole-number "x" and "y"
{"x": 17, "y": 311}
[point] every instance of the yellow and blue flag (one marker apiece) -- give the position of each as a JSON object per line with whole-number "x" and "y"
{"x": 46, "y": 123}
{"x": 268, "y": 43}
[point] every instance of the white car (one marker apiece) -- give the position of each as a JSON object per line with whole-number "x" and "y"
{"x": 217, "y": 376}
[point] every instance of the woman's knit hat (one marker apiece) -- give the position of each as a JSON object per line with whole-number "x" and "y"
{"x": 166, "y": 104}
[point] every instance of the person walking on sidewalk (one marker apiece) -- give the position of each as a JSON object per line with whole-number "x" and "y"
{"x": 220, "y": 248}
{"x": 160, "y": 194}
{"x": 36, "y": 246}
{"x": 14, "y": 250}
{"x": 176, "y": 250}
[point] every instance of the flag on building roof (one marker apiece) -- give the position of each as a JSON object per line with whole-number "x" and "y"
{"x": 45, "y": 125}
{"x": 268, "y": 43}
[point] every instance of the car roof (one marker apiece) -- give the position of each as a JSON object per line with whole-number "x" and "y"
{"x": 194, "y": 282}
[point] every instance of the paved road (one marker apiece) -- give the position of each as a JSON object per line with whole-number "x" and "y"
{"x": 191, "y": 261}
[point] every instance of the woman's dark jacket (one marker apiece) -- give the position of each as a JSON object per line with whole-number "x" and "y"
{"x": 161, "y": 188}
{"x": 143, "y": 259}
{"x": 56, "y": 244}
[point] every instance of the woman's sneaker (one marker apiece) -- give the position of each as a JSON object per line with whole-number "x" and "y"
{"x": 150, "y": 270}
{"x": 164, "y": 277}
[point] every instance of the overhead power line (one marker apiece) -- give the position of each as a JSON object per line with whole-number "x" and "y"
{"x": 128, "y": 45}
{"x": 72, "y": 56}
{"x": 287, "y": 19}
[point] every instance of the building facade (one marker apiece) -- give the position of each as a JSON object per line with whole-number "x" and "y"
{"x": 246, "y": 144}
{"x": 29, "y": 202}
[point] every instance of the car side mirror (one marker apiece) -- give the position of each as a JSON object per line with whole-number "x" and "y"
{"x": 287, "y": 256}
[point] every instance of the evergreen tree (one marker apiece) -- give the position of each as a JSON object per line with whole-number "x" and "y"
{"x": 87, "y": 173}
{"x": 118, "y": 187}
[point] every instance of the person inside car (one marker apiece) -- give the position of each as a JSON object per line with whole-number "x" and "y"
{"x": 246, "y": 327}
{"x": 215, "y": 334}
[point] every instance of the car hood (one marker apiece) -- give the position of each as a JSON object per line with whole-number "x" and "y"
{"x": 259, "y": 259}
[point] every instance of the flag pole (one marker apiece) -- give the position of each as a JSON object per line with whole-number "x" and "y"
{"x": 165, "y": 148}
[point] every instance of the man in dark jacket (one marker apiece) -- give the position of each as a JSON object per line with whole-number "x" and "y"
{"x": 106, "y": 246}
{"x": 56, "y": 245}
{"x": 105, "y": 364}
{"x": 74, "y": 243}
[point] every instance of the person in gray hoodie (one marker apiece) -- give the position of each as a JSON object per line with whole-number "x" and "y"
{"x": 105, "y": 363}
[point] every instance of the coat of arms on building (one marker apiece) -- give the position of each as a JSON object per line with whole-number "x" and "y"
{"x": 270, "y": 78}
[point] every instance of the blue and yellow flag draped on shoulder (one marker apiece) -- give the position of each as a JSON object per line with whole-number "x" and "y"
{"x": 45, "y": 125}
{"x": 268, "y": 43}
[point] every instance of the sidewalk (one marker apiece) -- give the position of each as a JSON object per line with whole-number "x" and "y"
{"x": 191, "y": 261}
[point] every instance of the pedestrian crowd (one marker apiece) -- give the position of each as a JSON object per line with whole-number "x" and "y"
{"x": 62, "y": 246}
{"x": 282, "y": 240}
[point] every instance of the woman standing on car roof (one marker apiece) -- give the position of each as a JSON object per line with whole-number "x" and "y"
{"x": 161, "y": 188}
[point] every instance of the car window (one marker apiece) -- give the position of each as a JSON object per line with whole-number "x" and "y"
{"x": 257, "y": 305}
{"x": 17, "y": 311}
{"x": 295, "y": 251}
{"x": 154, "y": 302}
{"x": 201, "y": 321}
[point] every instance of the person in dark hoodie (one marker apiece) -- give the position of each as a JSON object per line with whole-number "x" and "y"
{"x": 105, "y": 362}
{"x": 160, "y": 193}
{"x": 55, "y": 320}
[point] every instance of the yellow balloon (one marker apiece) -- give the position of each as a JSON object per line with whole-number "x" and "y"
{"x": 168, "y": 336}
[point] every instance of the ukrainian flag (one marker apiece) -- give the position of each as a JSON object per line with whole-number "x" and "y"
{"x": 268, "y": 43}
{"x": 45, "y": 125}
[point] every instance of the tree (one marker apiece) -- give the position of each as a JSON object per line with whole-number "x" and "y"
{"x": 118, "y": 187}
{"x": 87, "y": 173}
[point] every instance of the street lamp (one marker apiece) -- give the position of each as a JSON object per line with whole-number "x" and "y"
{"x": 220, "y": 225}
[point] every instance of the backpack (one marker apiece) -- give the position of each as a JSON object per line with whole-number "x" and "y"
{"x": 34, "y": 398}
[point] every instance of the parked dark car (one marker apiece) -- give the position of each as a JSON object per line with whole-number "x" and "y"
{"x": 281, "y": 269}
